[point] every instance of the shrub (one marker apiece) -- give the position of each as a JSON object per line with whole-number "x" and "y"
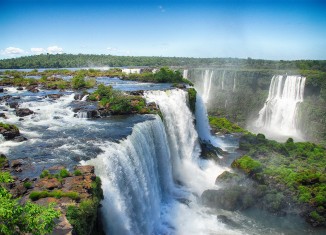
{"x": 247, "y": 164}
{"x": 28, "y": 185}
{"x": 44, "y": 174}
{"x": 77, "y": 172}
{"x": 36, "y": 195}
{"x": 64, "y": 173}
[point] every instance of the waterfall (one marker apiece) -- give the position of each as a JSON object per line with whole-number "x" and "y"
{"x": 136, "y": 179}
{"x": 222, "y": 81}
{"x": 234, "y": 82}
{"x": 185, "y": 73}
{"x": 207, "y": 84}
{"x": 202, "y": 124}
{"x": 279, "y": 114}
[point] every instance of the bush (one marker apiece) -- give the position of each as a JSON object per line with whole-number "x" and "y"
{"x": 77, "y": 173}
{"x": 44, "y": 174}
{"x": 28, "y": 185}
{"x": 247, "y": 164}
{"x": 36, "y": 195}
{"x": 64, "y": 173}
{"x": 78, "y": 82}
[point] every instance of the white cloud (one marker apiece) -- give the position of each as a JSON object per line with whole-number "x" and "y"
{"x": 38, "y": 50}
{"x": 13, "y": 51}
{"x": 54, "y": 50}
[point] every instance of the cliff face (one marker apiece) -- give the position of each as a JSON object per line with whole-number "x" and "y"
{"x": 76, "y": 195}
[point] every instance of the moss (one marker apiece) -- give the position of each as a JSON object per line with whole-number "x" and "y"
{"x": 316, "y": 216}
{"x": 225, "y": 126}
{"x": 192, "y": 93}
{"x": 9, "y": 127}
{"x": 247, "y": 164}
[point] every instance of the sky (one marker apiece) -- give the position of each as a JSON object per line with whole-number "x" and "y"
{"x": 260, "y": 29}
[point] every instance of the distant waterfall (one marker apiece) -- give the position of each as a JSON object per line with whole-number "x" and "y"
{"x": 185, "y": 73}
{"x": 207, "y": 74}
{"x": 279, "y": 114}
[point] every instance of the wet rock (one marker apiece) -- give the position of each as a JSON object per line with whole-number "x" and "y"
{"x": 85, "y": 109}
{"x": 32, "y": 88}
{"x": 152, "y": 106}
{"x": 20, "y": 88}
{"x": 9, "y": 132}
{"x": 226, "y": 220}
{"x": 80, "y": 96}
{"x": 5, "y": 98}
{"x": 1, "y": 90}
{"x": 16, "y": 163}
{"x": 3, "y": 115}
{"x": 4, "y": 163}
{"x": 209, "y": 151}
{"x": 138, "y": 93}
{"x": 228, "y": 178}
{"x": 54, "y": 96}
{"x": 12, "y": 104}
{"x": 18, "y": 169}
{"x": 19, "y": 138}
{"x": 23, "y": 112}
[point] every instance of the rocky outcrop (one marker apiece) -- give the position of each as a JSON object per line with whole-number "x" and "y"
{"x": 32, "y": 88}
{"x": 209, "y": 151}
{"x": 8, "y": 131}
{"x": 53, "y": 96}
{"x": 68, "y": 190}
{"x": 23, "y": 112}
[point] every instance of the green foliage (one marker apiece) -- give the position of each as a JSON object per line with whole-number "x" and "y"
{"x": 29, "y": 218}
{"x": 78, "y": 82}
{"x": 192, "y": 93}
{"x": 44, "y": 174}
{"x": 8, "y": 126}
{"x": 317, "y": 217}
{"x": 28, "y": 185}
{"x": 225, "y": 126}
{"x": 36, "y": 195}
{"x": 247, "y": 164}
{"x": 64, "y": 173}
{"x": 77, "y": 173}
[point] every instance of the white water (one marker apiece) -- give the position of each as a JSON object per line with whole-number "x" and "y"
{"x": 207, "y": 74}
{"x": 202, "y": 124}
{"x": 185, "y": 73}
{"x": 279, "y": 114}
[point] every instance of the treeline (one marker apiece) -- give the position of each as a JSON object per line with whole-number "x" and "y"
{"x": 90, "y": 60}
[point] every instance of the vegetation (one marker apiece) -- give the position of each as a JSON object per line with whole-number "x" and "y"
{"x": 83, "y": 60}
{"x": 8, "y": 127}
{"x": 192, "y": 93}
{"x": 36, "y": 195}
{"x": 117, "y": 101}
{"x": 28, "y": 218}
{"x": 83, "y": 216}
{"x": 297, "y": 169}
{"x": 224, "y": 126}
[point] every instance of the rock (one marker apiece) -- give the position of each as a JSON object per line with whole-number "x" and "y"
{"x": 19, "y": 138}
{"x": 18, "y": 169}
{"x": 20, "y": 88}
{"x": 5, "y": 98}
{"x": 16, "y": 163}
{"x": 226, "y": 220}
{"x": 9, "y": 132}
{"x": 63, "y": 227}
{"x": 32, "y": 88}
{"x": 180, "y": 86}
{"x": 1, "y": 90}
{"x": 152, "y": 106}
{"x": 23, "y": 112}
{"x": 228, "y": 178}
{"x": 54, "y": 96}
{"x": 12, "y": 104}
{"x": 48, "y": 184}
{"x": 4, "y": 163}
{"x": 3, "y": 115}
{"x": 85, "y": 169}
{"x": 138, "y": 93}
{"x": 80, "y": 96}
{"x": 209, "y": 151}
{"x": 18, "y": 190}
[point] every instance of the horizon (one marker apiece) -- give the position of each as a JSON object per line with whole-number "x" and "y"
{"x": 257, "y": 29}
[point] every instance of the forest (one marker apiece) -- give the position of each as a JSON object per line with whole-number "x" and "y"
{"x": 92, "y": 60}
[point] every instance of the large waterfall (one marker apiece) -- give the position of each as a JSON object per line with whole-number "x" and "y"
{"x": 279, "y": 114}
{"x": 149, "y": 176}
{"x": 207, "y": 74}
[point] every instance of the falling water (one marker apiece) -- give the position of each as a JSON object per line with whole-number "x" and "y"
{"x": 208, "y": 74}
{"x": 279, "y": 114}
{"x": 185, "y": 73}
{"x": 222, "y": 81}
{"x": 234, "y": 81}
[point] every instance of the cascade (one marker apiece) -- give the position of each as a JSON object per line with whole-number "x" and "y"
{"x": 185, "y": 73}
{"x": 279, "y": 114}
{"x": 222, "y": 86}
{"x": 234, "y": 82}
{"x": 207, "y": 74}
{"x": 136, "y": 179}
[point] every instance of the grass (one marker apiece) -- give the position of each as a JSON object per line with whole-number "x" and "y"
{"x": 36, "y": 195}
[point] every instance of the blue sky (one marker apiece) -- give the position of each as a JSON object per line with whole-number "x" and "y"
{"x": 289, "y": 29}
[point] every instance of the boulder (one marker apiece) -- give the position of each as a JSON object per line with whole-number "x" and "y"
{"x": 9, "y": 132}
{"x": 226, "y": 220}
{"x": 19, "y": 138}
{"x": 3, "y": 115}
{"x": 20, "y": 88}
{"x": 32, "y": 88}
{"x": 1, "y": 90}
{"x": 209, "y": 151}
{"x": 23, "y": 112}
{"x": 12, "y": 104}
{"x": 16, "y": 163}
{"x": 138, "y": 93}
{"x": 228, "y": 178}
{"x": 5, "y": 98}
{"x": 54, "y": 96}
